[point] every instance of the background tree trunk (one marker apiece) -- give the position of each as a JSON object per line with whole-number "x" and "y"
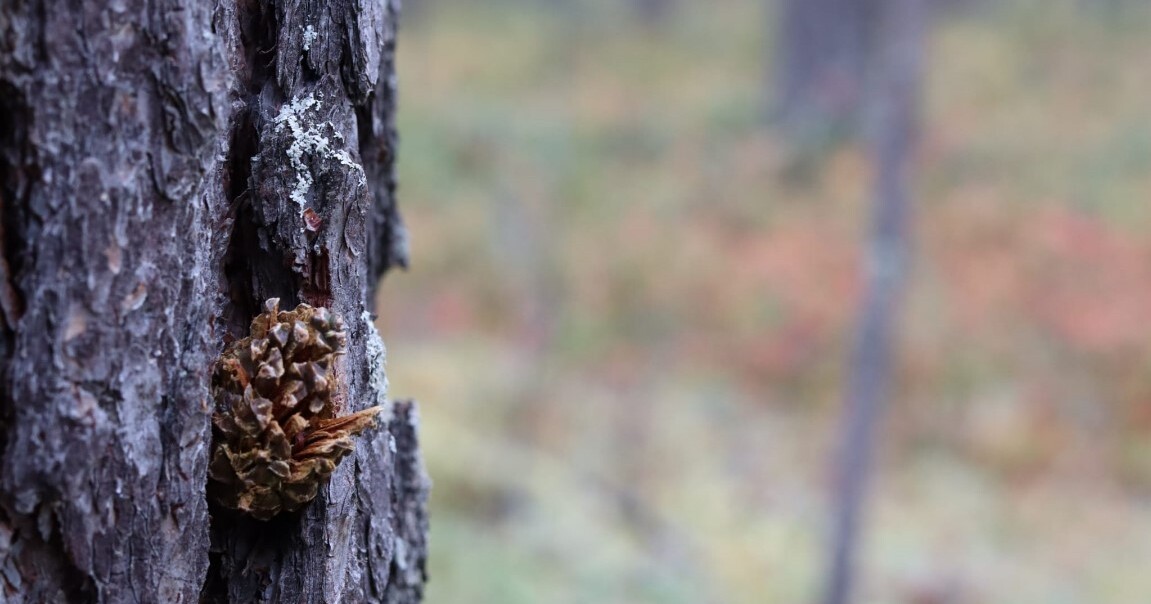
{"x": 892, "y": 118}
{"x": 652, "y": 12}
{"x": 823, "y": 52}
{"x": 164, "y": 168}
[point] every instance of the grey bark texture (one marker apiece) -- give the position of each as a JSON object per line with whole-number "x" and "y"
{"x": 165, "y": 167}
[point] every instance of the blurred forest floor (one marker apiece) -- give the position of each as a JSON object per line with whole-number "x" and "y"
{"x": 628, "y": 311}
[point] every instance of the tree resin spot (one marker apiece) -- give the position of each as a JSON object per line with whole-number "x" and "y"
{"x": 276, "y": 439}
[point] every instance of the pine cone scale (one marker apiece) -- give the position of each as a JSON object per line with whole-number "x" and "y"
{"x": 276, "y": 434}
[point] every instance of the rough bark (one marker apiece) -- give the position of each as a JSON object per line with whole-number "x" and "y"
{"x": 165, "y": 167}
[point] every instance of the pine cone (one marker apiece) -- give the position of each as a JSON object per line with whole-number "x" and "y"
{"x": 276, "y": 437}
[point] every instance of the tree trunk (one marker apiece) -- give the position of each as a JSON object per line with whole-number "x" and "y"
{"x": 165, "y": 167}
{"x": 823, "y": 52}
{"x": 653, "y": 12}
{"x": 892, "y": 120}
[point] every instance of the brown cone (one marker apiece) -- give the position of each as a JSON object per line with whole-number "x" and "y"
{"x": 276, "y": 437}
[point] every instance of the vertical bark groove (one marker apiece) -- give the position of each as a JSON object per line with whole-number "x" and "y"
{"x": 14, "y": 117}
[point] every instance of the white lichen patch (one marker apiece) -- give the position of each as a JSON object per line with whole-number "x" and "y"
{"x": 310, "y": 138}
{"x": 310, "y": 36}
{"x": 377, "y": 373}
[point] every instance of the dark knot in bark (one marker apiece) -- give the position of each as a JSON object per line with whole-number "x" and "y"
{"x": 276, "y": 437}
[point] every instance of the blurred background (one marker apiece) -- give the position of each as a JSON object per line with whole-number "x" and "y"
{"x": 638, "y": 237}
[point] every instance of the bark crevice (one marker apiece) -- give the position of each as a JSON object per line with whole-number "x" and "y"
{"x": 14, "y": 117}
